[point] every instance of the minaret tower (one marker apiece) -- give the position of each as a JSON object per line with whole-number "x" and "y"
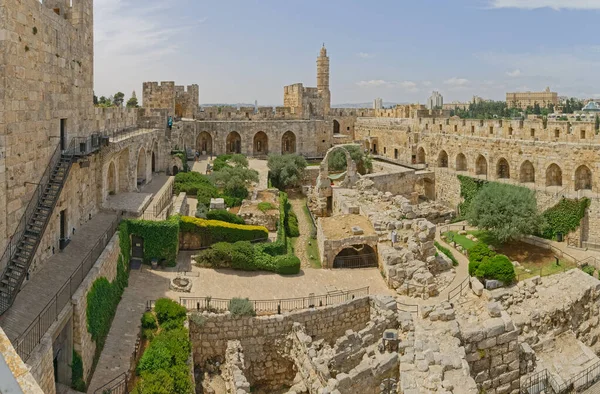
{"x": 323, "y": 79}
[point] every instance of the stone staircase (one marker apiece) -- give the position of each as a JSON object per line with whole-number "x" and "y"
{"x": 24, "y": 243}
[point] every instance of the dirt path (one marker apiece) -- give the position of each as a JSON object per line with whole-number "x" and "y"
{"x": 298, "y": 201}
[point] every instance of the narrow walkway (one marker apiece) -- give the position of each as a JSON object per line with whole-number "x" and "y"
{"x": 297, "y": 201}
{"x": 45, "y": 284}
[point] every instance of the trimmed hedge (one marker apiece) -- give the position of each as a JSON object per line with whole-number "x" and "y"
{"x": 564, "y": 217}
{"x": 167, "y": 309}
{"x": 224, "y": 216}
{"x": 484, "y": 263}
{"x": 161, "y": 238}
{"x": 245, "y": 257}
{"x": 213, "y": 231}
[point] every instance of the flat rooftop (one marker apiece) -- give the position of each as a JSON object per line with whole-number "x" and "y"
{"x": 340, "y": 227}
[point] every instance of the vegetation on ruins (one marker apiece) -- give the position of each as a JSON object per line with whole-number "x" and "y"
{"x": 201, "y": 211}
{"x": 77, "y": 382}
{"x": 286, "y": 171}
{"x": 469, "y": 187}
{"x": 564, "y": 217}
{"x": 213, "y": 231}
{"x": 230, "y": 161}
{"x": 161, "y": 238}
{"x": 337, "y": 160}
{"x": 183, "y": 157}
{"x": 484, "y": 263}
{"x": 290, "y": 220}
{"x": 224, "y": 216}
{"x": 499, "y": 109}
{"x": 507, "y": 212}
{"x": 241, "y": 307}
{"x": 265, "y": 206}
{"x": 234, "y": 181}
{"x": 447, "y": 252}
{"x": 163, "y": 367}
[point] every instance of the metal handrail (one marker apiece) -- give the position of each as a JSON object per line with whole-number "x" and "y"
{"x": 117, "y": 385}
{"x": 31, "y": 337}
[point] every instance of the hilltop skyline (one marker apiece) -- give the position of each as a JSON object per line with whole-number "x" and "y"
{"x": 400, "y": 52}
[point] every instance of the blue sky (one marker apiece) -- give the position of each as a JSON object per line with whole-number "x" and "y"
{"x": 239, "y": 51}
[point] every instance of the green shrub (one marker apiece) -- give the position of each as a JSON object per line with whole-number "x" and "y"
{"x": 477, "y": 254}
{"x": 498, "y": 267}
{"x": 159, "y": 382}
{"x": 213, "y": 231}
{"x": 161, "y": 238}
{"x": 291, "y": 225}
{"x": 241, "y": 307}
{"x": 77, "y": 381}
{"x": 271, "y": 248}
{"x": 447, "y": 252}
{"x": 148, "y": 333}
{"x": 167, "y": 309}
{"x": 228, "y": 161}
{"x": 196, "y": 184}
{"x": 177, "y": 342}
{"x": 265, "y": 206}
{"x": 156, "y": 357}
{"x": 224, "y": 216}
{"x": 287, "y": 264}
{"x": 148, "y": 321}
{"x": 588, "y": 269}
{"x": 286, "y": 170}
{"x": 564, "y": 217}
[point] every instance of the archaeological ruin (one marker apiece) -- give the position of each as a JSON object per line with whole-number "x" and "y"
{"x": 95, "y": 230}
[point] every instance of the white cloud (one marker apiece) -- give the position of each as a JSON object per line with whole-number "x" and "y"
{"x": 365, "y": 55}
{"x": 426, "y": 83}
{"x": 514, "y": 73}
{"x": 554, "y": 4}
{"x": 408, "y": 84}
{"x": 456, "y": 81}
{"x": 374, "y": 83}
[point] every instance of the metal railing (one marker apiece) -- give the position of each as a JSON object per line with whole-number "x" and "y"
{"x": 457, "y": 291}
{"x": 275, "y": 306}
{"x": 31, "y": 337}
{"x": 411, "y": 308}
{"x": 543, "y": 381}
{"x": 116, "y": 386}
{"x": 366, "y": 260}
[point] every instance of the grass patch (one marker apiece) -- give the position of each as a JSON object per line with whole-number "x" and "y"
{"x": 447, "y": 252}
{"x": 550, "y": 268}
{"x": 265, "y": 206}
{"x": 312, "y": 248}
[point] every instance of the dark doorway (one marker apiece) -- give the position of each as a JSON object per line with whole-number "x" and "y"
{"x": 137, "y": 247}
{"x": 374, "y": 149}
{"x": 63, "y": 134}
{"x": 63, "y": 229}
{"x": 336, "y": 127}
{"x": 356, "y": 256}
{"x": 175, "y": 170}
{"x": 153, "y": 162}
{"x": 396, "y": 154}
{"x": 55, "y": 364}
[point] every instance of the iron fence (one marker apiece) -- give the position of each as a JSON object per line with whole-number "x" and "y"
{"x": 116, "y": 386}
{"x": 366, "y": 260}
{"x": 411, "y": 308}
{"x": 276, "y": 306}
{"x": 458, "y": 290}
{"x": 31, "y": 337}
{"x": 543, "y": 381}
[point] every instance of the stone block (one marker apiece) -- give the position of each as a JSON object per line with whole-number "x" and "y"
{"x": 493, "y": 327}
{"x": 486, "y": 343}
{"x": 476, "y": 286}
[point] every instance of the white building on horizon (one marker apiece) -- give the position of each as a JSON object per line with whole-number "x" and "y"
{"x": 435, "y": 100}
{"x": 378, "y": 103}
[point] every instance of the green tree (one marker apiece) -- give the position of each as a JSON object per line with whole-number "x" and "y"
{"x": 337, "y": 159}
{"x": 132, "y": 102}
{"x": 507, "y": 211}
{"x": 234, "y": 181}
{"x": 118, "y": 99}
{"x": 286, "y": 170}
{"x": 536, "y": 109}
{"x": 597, "y": 124}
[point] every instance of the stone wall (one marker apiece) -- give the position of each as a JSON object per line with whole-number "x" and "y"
{"x": 264, "y": 339}
{"x": 159, "y": 95}
{"x": 17, "y": 367}
{"x": 235, "y": 369}
{"x": 105, "y": 266}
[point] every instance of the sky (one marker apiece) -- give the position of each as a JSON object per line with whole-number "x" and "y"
{"x": 399, "y": 50}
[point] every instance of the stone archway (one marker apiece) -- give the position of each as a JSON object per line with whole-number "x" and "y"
{"x": 461, "y": 162}
{"x": 141, "y": 167}
{"x": 421, "y": 155}
{"x": 288, "y": 142}
{"x": 204, "y": 143}
{"x": 553, "y": 175}
{"x": 260, "y": 145}
{"x": 583, "y": 178}
{"x": 234, "y": 142}
{"x": 527, "y": 172}
{"x": 502, "y": 169}
{"x": 442, "y": 160}
{"x": 481, "y": 166}
{"x": 356, "y": 256}
{"x": 336, "y": 127}
{"x": 111, "y": 179}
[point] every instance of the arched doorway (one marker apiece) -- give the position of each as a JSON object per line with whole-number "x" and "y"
{"x": 141, "y": 167}
{"x": 443, "y": 159}
{"x": 288, "y": 142}
{"x": 553, "y": 175}
{"x": 204, "y": 143}
{"x": 461, "y": 162}
{"x": 336, "y": 127}
{"x": 421, "y": 156}
{"x": 527, "y": 172}
{"x": 175, "y": 170}
{"x": 356, "y": 256}
{"x": 583, "y": 178}
{"x": 260, "y": 144}
{"x": 481, "y": 166}
{"x": 502, "y": 169}
{"x": 234, "y": 142}
{"x": 153, "y": 162}
{"x": 111, "y": 179}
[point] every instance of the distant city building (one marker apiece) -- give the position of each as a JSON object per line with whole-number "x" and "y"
{"x": 529, "y": 99}
{"x": 378, "y": 103}
{"x": 435, "y": 101}
{"x": 591, "y": 106}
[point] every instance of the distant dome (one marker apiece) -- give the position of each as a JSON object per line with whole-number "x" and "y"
{"x": 591, "y": 106}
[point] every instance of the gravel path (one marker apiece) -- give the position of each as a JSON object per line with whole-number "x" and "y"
{"x": 298, "y": 201}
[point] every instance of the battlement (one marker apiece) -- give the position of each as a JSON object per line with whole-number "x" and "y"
{"x": 179, "y": 100}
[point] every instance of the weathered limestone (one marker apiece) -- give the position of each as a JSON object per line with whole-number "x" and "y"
{"x": 19, "y": 370}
